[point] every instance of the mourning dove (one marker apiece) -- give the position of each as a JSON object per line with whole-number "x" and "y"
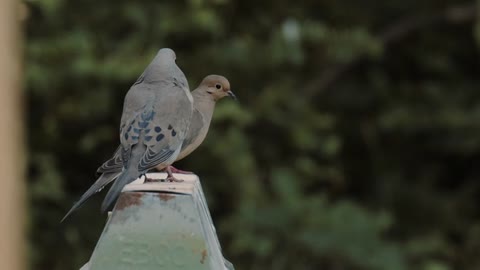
{"x": 156, "y": 115}
{"x": 211, "y": 89}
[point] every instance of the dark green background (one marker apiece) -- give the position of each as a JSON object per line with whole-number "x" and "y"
{"x": 355, "y": 144}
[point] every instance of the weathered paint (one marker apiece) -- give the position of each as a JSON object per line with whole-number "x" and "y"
{"x": 160, "y": 226}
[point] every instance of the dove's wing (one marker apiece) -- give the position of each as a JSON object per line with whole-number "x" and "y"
{"x": 195, "y": 135}
{"x": 161, "y": 125}
{"x": 196, "y": 126}
{"x": 151, "y": 134}
{"x": 114, "y": 164}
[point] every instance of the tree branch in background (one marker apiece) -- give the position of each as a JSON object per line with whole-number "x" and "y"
{"x": 394, "y": 33}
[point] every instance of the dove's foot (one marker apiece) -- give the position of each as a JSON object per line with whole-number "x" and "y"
{"x": 175, "y": 170}
{"x": 170, "y": 177}
{"x": 150, "y": 180}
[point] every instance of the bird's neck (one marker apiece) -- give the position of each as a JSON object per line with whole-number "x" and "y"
{"x": 204, "y": 103}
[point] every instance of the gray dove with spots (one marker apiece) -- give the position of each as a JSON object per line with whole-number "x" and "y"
{"x": 156, "y": 116}
{"x": 155, "y": 120}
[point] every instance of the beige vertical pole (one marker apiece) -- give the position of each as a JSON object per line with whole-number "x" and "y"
{"x": 12, "y": 207}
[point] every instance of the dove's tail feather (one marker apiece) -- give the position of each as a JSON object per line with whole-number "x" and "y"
{"x": 112, "y": 195}
{"x": 101, "y": 182}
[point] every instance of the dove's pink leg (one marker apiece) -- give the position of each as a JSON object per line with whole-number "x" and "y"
{"x": 170, "y": 177}
{"x": 175, "y": 170}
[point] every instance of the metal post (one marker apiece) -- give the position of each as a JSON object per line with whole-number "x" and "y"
{"x": 160, "y": 226}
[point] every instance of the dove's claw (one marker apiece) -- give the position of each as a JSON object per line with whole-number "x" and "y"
{"x": 170, "y": 177}
{"x": 151, "y": 180}
{"x": 148, "y": 180}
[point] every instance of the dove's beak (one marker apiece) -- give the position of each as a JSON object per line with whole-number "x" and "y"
{"x": 232, "y": 95}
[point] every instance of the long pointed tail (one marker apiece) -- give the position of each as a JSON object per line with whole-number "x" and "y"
{"x": 112, "y": 195}
{"x": 101, "y": 182}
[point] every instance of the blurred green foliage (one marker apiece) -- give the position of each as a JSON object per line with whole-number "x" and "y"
{"x": 355, "y": 144}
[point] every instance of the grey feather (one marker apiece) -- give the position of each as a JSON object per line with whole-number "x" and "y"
{"x": 128, "y": 175}
{"x": 195, "y": 128}
{"x": 113, "y": 165}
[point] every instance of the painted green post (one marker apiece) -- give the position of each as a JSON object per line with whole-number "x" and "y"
{"x": 159, "y": 226}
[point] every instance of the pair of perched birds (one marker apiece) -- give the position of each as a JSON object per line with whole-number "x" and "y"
{"x": 162, "y": 122}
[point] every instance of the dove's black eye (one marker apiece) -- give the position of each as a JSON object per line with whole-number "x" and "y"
{"x": 218, "y": 86}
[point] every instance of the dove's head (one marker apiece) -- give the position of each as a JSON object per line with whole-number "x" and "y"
{"x": 166, "y": 53}
{"x": 217, "y": 87}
